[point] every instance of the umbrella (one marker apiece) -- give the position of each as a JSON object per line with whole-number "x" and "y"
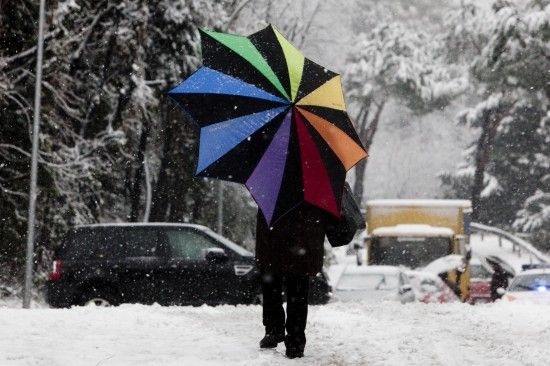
{"x": 271, "y": 119}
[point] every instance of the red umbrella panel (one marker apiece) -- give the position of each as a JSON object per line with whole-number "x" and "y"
{"x": 271, "y": 119}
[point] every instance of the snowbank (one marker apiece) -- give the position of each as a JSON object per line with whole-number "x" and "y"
{"x": 338, "y": 334}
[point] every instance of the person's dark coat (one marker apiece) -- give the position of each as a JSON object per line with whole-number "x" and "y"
{"x": 498, "y": 280}
{"x": 294, "y": 244}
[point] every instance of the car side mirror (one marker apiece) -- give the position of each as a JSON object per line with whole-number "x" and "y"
{"x": 405, "y": 288}
{"x": 216, "y": 255}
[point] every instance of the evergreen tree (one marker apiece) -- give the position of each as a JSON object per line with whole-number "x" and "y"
{"x": 506, "y": 169}
{"x": 393, "y": 61}
{"x": 107, "y": 67}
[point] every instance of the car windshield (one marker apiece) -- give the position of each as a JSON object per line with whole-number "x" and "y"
{"x": 480, "y": 272}
{"x": 368, "y": 282}
{"x": 412, "y": 252}
{"x": 531, "y": 282}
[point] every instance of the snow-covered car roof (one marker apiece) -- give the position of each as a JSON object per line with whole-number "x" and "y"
{"x": 475, "y": 261}
{"x": 143, "y": 224}
{"x": 236, "y": 247}
{"x": 422, "y": 274}
{"x": 536, "y": 271}
{"x": 413, "y": 230}
{"x": 385, "y": 270}
{"x": 422, "y": 203}
{"x": 444, "y": 264}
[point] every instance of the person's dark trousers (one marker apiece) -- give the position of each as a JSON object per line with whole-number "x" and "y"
{"x": 297, "y": 287}
{"x": 273, "y": 313}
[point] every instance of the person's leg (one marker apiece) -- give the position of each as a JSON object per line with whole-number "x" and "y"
{"x": 297, "y": 288}
{"x": 273, "y": 312}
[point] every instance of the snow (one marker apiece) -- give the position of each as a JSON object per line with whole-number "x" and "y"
{"x": 420, "y": 202}
{"x": 387, "y": 333}
{"x": 444, "y": 264}
{"x": 492, "y": 186}
{"x": 413, "y": 230}
{"x": 366, "y": 270}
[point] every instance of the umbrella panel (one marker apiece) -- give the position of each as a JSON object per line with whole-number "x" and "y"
{"x": 292, "y": 182}
{"x": 266, "y": 42}
{"x": 335, "y": 170}
{"x": 339, "y": 118}
{"x": 313, "y": 77}
{"x": 340, "y": 143}
{"x": 207, "y": 109}
{"x": 265, "y": 182}
{"x": 239, "y": 163}
{"x": 235, "y": 65}
{"x": 316, "y": 182}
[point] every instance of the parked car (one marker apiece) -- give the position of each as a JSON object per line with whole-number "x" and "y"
{"x": 480, "y": 281}
{"x": 532, "y": 285}
{"x": 183, "y": 264}
{"x": 373, "y": 283}
{"x": 430, "y": 288}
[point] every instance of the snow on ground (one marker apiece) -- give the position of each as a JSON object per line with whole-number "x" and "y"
{"x": 488, "y": 244}
{"x": 338, "y": 334}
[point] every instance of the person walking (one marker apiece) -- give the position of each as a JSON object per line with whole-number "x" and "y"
{"x": 499, "y": 280}
{"x": 288, "y": 253}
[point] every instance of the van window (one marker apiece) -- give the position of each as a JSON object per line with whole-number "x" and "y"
{"x": 139, "y": 242}
{"x": 89, "y": 243}
{"x": 189, "y": 244}
{"x": 77, "y": 244}
{"x": 109, "y": 243}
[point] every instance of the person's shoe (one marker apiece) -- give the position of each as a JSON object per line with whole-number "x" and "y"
{"x": 294, "y": 353}
{"x": 295, "y": 346}
{"x": 271, "y": 340}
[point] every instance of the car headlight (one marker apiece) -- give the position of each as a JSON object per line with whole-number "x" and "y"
{"x": 242, "y": 269}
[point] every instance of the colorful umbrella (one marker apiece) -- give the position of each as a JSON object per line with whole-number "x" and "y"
{"x": 271, "y": 119}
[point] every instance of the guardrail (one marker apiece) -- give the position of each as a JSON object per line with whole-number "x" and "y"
{"x": 516, "y": 242}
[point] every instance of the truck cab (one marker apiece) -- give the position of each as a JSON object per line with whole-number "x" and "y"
{"x": 414, "y": 233}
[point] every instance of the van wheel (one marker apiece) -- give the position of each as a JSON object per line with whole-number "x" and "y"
{"x": 97, "y": 301}
{"x": 100, "y": 297}
{"x": 258, "y": 299}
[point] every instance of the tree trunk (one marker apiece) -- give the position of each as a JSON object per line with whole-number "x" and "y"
{"x": 176, "y": 175}
{"x": 160, "y": 193}
{"x": 482, "y": 157}
{"x": 135, "y": 194}
{"x": 367, "y": 135}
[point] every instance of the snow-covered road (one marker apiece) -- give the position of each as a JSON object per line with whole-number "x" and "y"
{"x": 338, "y": 334}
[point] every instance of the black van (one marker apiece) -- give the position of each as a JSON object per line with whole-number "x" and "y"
{"x": 170, "y": 264}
